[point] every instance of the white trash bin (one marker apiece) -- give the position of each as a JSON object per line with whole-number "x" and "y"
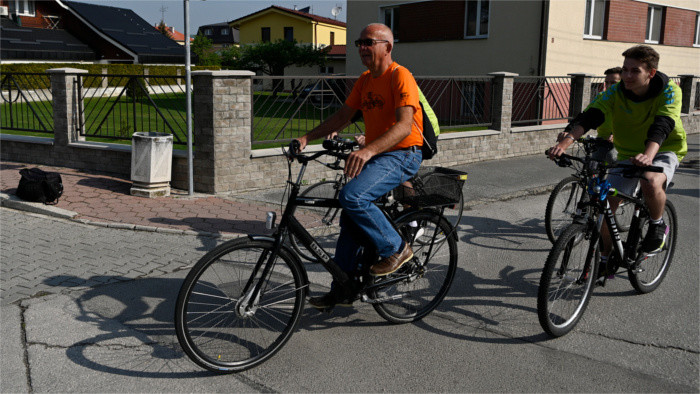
{"x": 151, "y": 164}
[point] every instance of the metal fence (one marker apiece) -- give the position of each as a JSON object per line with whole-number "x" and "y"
{"x": 26, "y": 103}
{"x": 116, "y": 106}
{"x": 538, "y": 100}
{"x": 288, "y": 107}
{"x": 460, "y": 103}
{"x": 597, "y": 86}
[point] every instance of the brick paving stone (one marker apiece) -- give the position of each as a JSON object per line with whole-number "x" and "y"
{"x": 104, "y": 197}
{"x": 84, "y": 255}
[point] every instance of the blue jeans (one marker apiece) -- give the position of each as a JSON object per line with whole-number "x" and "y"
{"x": 381, "y": 174}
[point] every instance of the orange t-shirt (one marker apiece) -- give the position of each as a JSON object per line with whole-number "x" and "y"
{"x": 378, "y": 98}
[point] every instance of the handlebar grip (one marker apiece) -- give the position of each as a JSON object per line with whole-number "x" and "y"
{"x": 294, "y": 147}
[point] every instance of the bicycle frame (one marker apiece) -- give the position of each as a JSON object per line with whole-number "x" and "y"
{"x": 624, "y": 252}
{"x": 289, "y": 223}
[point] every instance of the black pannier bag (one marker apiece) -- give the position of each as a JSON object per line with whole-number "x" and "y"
{"x": 37, "y": 185}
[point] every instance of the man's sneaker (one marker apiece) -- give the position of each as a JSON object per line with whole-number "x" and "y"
{"x": 335, "y": 297}
{"x": 655, "y": 239}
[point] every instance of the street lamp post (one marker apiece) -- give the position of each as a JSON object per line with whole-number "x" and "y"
{"x": 188, "y": 80}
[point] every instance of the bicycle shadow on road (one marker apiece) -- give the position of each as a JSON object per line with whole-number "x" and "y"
{"x": 136, "y": 321}
{"x": 501, "y": 234}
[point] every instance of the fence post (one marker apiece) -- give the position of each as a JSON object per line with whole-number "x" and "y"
{"x": 580, "y": 93}
{"x": 105, "y": 81}
{"x": 66, "y": 105}
{"x": 222, "y": 114}
{"x": 502, "y": 100}
{"x": 689, "y": 87}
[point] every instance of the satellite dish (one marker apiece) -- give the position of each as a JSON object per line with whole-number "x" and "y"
{"x": 335, "y": 11}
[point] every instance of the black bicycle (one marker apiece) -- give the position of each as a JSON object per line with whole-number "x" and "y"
{"x": 572, "y": 269}
{"x": 327, "y": 225}
{"x": 563, "y": 202}
{"x": 242, "y": 301}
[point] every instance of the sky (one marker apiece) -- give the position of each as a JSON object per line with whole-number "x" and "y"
{"x": 205, "y": 12}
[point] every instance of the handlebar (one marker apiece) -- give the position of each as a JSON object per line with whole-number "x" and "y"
{"x": 565, "y": 160}
{"x": 336, "y": 147}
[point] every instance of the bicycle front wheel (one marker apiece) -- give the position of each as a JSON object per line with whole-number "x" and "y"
{"x": 649, "y": 273}
{"x": 215, "y": 327}
{"x": 561, "y": 206}
{"x": 421, "y": 284}
{"x": 323, "y": 221}
{"x": 567, "y": 280}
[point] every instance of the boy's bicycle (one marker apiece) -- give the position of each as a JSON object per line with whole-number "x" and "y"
{"x": 563, "y": 202}
{"x": 329, "y": 217}
{"x": 242, "y": 301}
{"x": 572, "y": 266}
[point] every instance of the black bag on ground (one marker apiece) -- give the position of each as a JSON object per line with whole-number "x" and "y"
{"x": 37, "y": 185}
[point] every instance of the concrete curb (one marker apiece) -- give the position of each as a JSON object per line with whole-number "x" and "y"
{"x": 14, "y": 202}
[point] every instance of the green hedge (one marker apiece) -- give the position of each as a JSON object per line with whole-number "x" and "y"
{"x": 36, "y": 82}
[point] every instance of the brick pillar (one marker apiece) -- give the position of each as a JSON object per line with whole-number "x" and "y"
{"x": 580, "y": 93}
{"x": 689, "y": 86}
{"x": 65, "y": 105}
{"x": 222, "y": 113}
{"x": 502, "y": 100}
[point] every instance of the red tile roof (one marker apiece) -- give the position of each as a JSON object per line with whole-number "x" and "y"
{"x": 174, "y": 34}
{"x": 337, "y": 50}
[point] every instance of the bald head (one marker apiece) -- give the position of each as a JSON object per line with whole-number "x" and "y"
{"x": 379, "y": 31}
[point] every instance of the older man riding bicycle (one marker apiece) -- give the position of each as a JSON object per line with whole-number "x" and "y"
{"x": 387, "y": 94}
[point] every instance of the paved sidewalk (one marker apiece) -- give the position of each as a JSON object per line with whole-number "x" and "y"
{"x": 100, "y": 198}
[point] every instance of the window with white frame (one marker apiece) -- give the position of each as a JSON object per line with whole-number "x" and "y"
{"x": 208, "y": 32}
{"x": 390, "y": 17}
{"x": 224, "y": 32}
{"x": 476, "y": 17}
{"x": 595, "y": 19}
{"x": 696, "y": 42}
{"x": 22, "y": 7}
{"x": 654, "y": 19}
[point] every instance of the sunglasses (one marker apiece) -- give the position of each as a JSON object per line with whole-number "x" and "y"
{"x": 367, "y": 42}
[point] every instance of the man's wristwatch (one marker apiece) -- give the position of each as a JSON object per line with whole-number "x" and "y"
{"x": 570, "y": 136}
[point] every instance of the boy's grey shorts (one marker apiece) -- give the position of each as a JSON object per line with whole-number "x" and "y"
{"x": 666, "y": 160}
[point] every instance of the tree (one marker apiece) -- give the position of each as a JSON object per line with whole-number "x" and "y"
{"x": 163, "y": 28}
{"x": 273, "y": 57}
{"x": 202, "y": 47}
{"x": 230, "y": 56}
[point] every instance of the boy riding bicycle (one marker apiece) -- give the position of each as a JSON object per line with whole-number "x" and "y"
{"x": 645, "y": 112}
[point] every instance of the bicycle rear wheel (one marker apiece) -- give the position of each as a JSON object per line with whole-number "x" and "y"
{"x": 324, "y": 221}
{"x": 421, "y": 284}
{"x": 561, "y": 206}
{"x": 215, "y": 329}
{"x": 567, "y": 280}
{"x": 650, "y": 272}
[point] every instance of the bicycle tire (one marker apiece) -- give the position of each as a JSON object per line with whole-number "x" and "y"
{"x": 213, "y": 331}
{"x": 324, "y": 221}
{"x": 566, "y": 283}
{"x": 561, "y": 206}
{"x": 428, "y": 278}
{"x": 651, "y": 272}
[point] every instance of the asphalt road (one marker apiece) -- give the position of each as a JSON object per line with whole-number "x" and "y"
{"x": 89, "y": 308}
